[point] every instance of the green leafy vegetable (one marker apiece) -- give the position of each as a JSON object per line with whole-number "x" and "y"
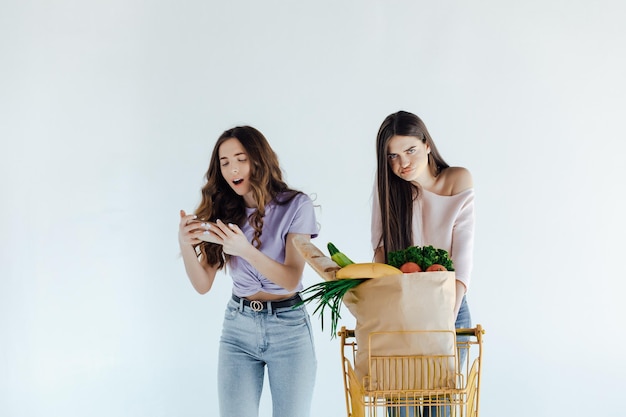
{"x": 329, "y": 294}
{"x": 424, "y": 256}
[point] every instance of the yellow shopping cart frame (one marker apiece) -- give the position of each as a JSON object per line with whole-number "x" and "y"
{"x": 415, "y": 382}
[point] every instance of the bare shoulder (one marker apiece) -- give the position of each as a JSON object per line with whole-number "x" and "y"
{"x": 456, "y": 180}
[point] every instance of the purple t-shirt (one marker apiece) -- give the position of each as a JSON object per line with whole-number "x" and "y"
{"x": 298, "y": 217}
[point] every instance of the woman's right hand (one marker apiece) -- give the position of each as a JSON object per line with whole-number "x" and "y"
{"x": 200, "y": 274}
{"x": 189, "y": 229}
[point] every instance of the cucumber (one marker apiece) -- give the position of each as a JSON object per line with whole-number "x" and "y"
{"x": 332, "y": 249}
{"x": 339, "y": 257}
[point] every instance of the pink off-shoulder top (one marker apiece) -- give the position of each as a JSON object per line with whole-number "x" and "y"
{"x": 445, "y": 222}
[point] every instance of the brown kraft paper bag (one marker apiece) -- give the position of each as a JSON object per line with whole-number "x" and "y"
{"x": 405, "y": 302}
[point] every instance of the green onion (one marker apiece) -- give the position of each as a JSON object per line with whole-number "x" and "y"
{"x": 329, "y": 294}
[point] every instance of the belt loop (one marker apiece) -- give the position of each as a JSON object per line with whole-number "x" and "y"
{"x": 269, "y": 307}
{"x": 241, "y": 305}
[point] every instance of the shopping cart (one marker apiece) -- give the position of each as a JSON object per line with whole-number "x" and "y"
{"x": 414, "y": 385}
{"x": 439, "y": 383}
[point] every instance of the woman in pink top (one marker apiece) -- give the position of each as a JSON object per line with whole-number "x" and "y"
{"x": 420, "y": 200}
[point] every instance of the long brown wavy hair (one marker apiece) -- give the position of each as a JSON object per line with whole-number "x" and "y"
{"x": 396, "y": 195}
{"x": 219, "y": 201}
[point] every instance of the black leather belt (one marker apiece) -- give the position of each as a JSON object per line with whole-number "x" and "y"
{"x": 256, "y": 305}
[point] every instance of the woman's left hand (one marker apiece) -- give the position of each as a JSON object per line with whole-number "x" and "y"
{"x": 230, "y": 236}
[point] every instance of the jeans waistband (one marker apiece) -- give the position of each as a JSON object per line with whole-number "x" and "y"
{"x": 256, "y": 305}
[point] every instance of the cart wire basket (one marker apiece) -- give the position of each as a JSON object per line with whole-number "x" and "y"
{"x": 415, "y": 385}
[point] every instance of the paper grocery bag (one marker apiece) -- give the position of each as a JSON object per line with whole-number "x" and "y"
{"x": 385, "y": 309}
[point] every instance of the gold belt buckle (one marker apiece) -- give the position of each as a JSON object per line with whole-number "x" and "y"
{"x": 256, "y": 305}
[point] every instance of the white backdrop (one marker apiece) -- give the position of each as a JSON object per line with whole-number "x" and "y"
{"x": 108, "y": 114}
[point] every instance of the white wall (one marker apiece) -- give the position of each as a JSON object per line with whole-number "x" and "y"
{"x": 109, "y": 111}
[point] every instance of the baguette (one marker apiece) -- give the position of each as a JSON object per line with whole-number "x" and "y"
{"x": 322, "y": 264}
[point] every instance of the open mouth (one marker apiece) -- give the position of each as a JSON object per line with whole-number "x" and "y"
{"x": 238, "y": 181}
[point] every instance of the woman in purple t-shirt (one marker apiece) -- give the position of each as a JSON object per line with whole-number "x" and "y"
{"x": 246, "y": 221}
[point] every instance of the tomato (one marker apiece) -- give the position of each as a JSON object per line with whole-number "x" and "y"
{"x": 435, "y": 267}
{"x": 409, "y": 267}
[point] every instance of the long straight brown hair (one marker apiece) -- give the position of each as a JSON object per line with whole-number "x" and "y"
{"x": 219, "y": 201}
{"x": 396, "y": 196}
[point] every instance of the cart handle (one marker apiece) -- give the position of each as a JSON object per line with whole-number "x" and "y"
{"x": 347, "y": 333}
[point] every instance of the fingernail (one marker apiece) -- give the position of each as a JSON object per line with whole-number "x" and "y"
{"x": 206, "y": 232}
{"x": 195, "y": 216}
{"x": 206, "y": 225}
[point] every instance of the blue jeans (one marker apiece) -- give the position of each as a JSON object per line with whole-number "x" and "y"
{"x": 280, "y": 340}
{"x": 463, "y": 321}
